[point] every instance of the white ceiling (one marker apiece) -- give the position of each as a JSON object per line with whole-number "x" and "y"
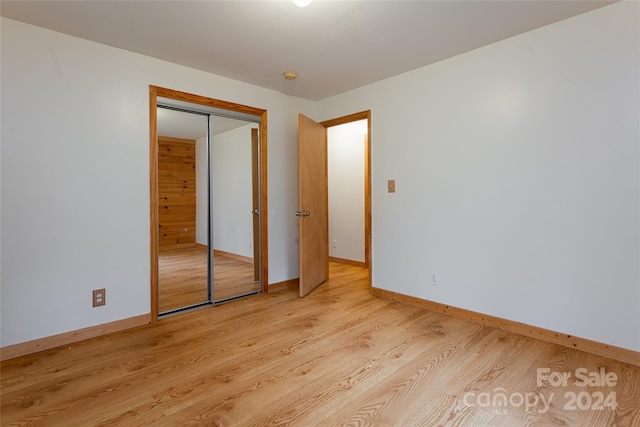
{"x": 179, "y": 124}
{"x": 334, "y": 46}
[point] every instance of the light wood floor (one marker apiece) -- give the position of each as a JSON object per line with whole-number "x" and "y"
{"x": 337, "y": 357}
{"x": 182, "y": 277}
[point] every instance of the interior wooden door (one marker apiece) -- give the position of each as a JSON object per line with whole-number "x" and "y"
{"x": 313, "y": 210}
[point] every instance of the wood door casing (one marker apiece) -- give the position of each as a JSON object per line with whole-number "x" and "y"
{"x": 313, "y": 199}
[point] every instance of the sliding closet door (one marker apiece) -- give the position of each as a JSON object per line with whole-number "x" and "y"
{"x": 207, "y": 173}
{"x": 207, "y": 208}
{"x": 234, "y": 208}
{"x": 183, "y": 214}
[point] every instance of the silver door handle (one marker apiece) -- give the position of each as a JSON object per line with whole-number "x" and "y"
{"x": 255, "y": 211}
{"x": 303, "y": 213}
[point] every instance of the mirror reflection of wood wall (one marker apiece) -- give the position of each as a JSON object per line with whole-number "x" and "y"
{"x": 176, "y": 192}
{"x": 183, "y": 265}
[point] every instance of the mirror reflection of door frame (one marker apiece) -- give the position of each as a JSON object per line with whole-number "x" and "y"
{"x": 154, "y": 93}
{"x": 255, "y": 199}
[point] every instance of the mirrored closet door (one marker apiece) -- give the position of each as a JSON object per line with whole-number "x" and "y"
{"x": 208, "y": 210}
{"x": 183, "y": 223}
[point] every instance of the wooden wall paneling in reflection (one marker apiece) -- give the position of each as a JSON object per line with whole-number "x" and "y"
{"x": 176, "y": 191}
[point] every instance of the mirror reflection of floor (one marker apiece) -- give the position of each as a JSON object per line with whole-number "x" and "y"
{"x": 182, "y": 277}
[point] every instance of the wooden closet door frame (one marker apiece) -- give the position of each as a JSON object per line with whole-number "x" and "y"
{"x": 154, "y": 93}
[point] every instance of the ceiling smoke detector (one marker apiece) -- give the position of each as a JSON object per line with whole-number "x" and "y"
{"x": 290, "y": 75}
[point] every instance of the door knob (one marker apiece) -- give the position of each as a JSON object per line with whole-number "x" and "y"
{"x": 303, "y": 213}
{"x": 255, "y": 211}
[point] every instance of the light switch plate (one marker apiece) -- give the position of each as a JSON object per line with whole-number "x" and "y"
{"x": 391, "y": 186}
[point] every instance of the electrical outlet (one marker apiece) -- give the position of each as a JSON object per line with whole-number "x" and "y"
{"x": 334, "y": 244}
{"x": 99, "y": 297}
{"x": 434, "y": 279}
{"x": 391, "y": 186}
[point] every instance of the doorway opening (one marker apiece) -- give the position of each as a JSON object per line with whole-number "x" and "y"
{"x": 313, "y": 200}
{"x": 208, "y": 190}
{"x": 349, "y": 166}
{"x": 346, "y": 176}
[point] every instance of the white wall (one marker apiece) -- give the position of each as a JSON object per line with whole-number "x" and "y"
{"x": 346, "y": 190}
{"x": 517, "y": 177}
{"x": 75, "y": 177}
{"x": 232, "y": 191}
